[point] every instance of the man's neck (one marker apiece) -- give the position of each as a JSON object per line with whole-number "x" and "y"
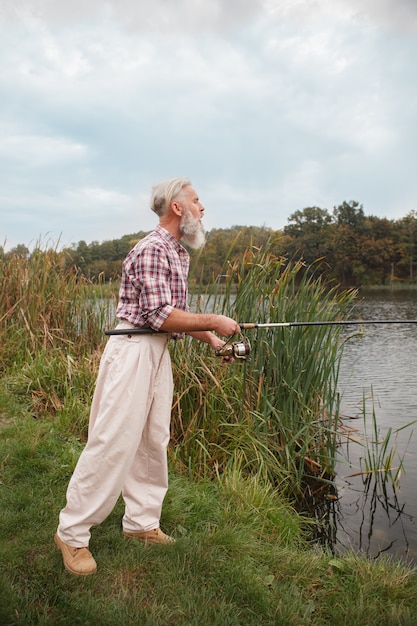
{"x": 171, "y": 223}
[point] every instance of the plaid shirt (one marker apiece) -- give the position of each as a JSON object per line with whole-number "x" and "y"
{"x": 154, "y": 280}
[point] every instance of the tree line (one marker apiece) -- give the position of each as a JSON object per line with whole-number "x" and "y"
{"x": 354, "y": 249}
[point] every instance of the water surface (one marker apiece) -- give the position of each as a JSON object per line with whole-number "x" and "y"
{"x": 378, "y": 372}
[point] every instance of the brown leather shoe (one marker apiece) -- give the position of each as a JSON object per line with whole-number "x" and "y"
{"x": 78, "y": 561}
{"x": 150, "y": 536}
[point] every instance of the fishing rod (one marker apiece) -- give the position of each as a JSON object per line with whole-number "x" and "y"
{"x": 323, "y": 323}
{"x": 242, "y": 349}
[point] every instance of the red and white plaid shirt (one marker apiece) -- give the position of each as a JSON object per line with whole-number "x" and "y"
{"x": 154, "y": 280}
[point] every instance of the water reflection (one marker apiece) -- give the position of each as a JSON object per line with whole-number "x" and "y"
{"x": 378, "y": 374}
{"x": 372, "y": 516}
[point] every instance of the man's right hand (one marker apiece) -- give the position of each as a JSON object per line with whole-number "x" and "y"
{"x": 226, "y": 326}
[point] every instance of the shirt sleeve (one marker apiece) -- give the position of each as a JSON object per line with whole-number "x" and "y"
{"x": 150, "y": 273}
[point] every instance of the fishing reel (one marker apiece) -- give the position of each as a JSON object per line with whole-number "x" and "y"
{"x": 237, "y": 349}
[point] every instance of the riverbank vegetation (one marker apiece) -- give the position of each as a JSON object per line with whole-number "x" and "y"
{"x": 357, "y": 249}
{"x": 248, "y": 442}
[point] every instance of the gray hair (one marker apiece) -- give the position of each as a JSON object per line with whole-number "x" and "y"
{"x": 165, "y": 192}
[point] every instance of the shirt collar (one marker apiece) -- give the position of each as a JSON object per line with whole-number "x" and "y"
{"x": 167, "y": 236}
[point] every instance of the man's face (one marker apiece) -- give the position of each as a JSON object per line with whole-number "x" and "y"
{"x": 190, "y": 200}
{"x": 191, "y": 225}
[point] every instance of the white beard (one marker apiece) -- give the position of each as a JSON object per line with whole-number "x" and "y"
{"x": 192, "y": 230}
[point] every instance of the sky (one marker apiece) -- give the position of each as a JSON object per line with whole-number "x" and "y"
{"x": 268, "y": 106}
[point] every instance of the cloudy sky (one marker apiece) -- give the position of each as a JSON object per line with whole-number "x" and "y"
{"x": 269, "y": 106}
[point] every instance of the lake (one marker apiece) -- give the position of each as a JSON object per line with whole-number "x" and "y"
{"x": 378, "y": 372}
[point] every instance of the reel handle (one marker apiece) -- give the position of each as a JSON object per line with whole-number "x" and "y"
{"x": 238, "y": 349}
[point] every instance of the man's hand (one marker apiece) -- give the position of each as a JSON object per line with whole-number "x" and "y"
{"x": 226, "y": 359}
{"x": 225, "y": 326}
{"x": 216, "y": 343}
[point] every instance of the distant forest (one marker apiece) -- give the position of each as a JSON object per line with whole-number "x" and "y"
{"x": 353, "y": 249}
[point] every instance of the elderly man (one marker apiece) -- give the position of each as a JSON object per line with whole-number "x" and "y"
{"x": 130, "y": 414}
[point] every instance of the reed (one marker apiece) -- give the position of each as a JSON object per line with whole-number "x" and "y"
{"x": 381, "y": 461}
{"x": 277, "y": 413}
{"x": 44, "y": 306}
{"x": 51, "y": 334}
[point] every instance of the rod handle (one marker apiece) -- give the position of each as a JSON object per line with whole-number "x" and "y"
{"x": 143, "y": 330}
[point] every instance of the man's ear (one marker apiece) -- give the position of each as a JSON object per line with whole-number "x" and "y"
{"x": 176, "y": 208}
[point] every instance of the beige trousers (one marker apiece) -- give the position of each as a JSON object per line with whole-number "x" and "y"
{"x": 126, "y": 451}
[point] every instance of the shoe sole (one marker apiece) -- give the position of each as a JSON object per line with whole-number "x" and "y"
{"x": 146, "y": 540}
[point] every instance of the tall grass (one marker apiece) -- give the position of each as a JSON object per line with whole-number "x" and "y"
{"x": 274, "y": 415}
{"x": 44, "y": 306}
{"x": 51, "y": 334}
{"x": 277, "y": 413}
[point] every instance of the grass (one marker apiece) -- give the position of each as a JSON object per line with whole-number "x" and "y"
{"x": 240, "y": 556}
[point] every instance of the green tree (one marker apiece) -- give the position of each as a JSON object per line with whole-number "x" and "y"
{"x": 309, "y": 234}
{"x": 350, "y": 214}
{"x": 345, "y": 256}
{"x": 407, "y": 246}
{"x": 20, "y": 250}
{"x": 374, "y": 263}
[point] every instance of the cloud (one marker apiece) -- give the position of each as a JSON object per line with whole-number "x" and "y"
{"x": 159, "y": 16}
{"x": 393, "y": 15}
{"x": 268, "y": 106}
{"x": 102, "y": 213}
{"x": 40, "y": 151}
{"x": 193, "y": 17}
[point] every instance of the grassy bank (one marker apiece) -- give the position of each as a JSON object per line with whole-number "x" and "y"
{"x": 240, "y": 557}
{"x": 245, "y": 439}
